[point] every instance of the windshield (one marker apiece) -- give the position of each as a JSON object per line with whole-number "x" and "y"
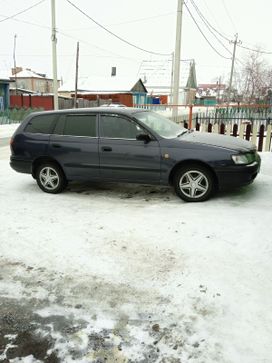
{"x": 160, "y": 124}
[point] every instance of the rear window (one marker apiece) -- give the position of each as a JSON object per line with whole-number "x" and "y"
{"x": 42, "y": 124}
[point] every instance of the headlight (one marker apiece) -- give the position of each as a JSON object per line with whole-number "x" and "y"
{"x": 242, "y": 159}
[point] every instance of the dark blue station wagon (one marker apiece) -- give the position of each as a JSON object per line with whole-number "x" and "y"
{"x": 129, "y": 145}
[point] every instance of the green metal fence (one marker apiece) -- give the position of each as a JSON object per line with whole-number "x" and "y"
{"x": 16, "y": 115}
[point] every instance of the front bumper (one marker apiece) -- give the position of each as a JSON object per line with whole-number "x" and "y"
{"x": 237, "y": 175}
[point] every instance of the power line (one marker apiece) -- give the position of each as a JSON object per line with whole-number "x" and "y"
{"x": 223, "y": 36}
{"x": 228, "y": 14}
{"x": 95, "y": 46}
{"x": 113, "y": 34}
{"x": 216, "y": 51}
{"x": 74, "y": 38}
{"x": 254, "y": 50}
{"x": 214, "y": 29}
{"x": 70, "y": 36}
{"x": 205, "y": 21}
{"x": 237, "y": 60}
{"x": 128, "y": 21}
{"x": 211, "y": 13}
{"x": 22, "y": 11}
{"x": 29, "y": 23}
{"x": 208, "y": 24}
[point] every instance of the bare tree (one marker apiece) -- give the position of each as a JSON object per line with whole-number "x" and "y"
{"x": 256, "y": 78}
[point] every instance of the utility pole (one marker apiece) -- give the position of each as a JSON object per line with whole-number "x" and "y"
{"x": 176, "y": 80}
{"x": 54, "y": 55}
{"x": 14, "y": 62}
{"x": 172, "y": 77}
{"x": 235, "y": 42}
{"x": 76, "y": 80}
{"x": 218, "y": 89}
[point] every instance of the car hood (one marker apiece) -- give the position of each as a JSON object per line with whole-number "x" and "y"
{"x": 217, "y": 140}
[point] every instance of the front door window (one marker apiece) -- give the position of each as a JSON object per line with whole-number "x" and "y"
{"x": 116, "y": 127}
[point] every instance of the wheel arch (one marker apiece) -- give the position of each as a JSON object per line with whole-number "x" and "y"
{"x": 44, "y": 159}
{"x": 184, "y": 163}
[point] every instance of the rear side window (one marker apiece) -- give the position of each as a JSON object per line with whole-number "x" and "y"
{"x": 42, "y": 124}
{"x": 80, "y": 125}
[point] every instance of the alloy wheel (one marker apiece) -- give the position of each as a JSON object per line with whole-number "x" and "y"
{"x": 49, "y": 178}
{"x": 194, "y": 184}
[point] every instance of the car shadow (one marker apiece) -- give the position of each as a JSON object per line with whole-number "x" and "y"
{"x": 238, "y": 195}
{"x": 122, "y": 191}
{"x": 136, "y": 192}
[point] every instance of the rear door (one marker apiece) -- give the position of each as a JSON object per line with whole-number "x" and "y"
{"x": 74, "y": 144}
{"x": 122, "y": 156}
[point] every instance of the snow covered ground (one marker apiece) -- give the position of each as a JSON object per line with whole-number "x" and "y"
{"x": 7, "y": 130}
{"x": 124, "y": 273}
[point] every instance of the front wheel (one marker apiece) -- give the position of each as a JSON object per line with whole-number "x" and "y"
{"x": 194, "y": 183}
{"x": 50, "y": 178}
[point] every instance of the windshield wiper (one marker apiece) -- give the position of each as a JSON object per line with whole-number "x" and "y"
{"x": 185, "y": 132}
{"x": 182, "y": 133}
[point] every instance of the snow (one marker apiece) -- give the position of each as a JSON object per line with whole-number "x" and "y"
{"x": 27, "y": 73}
{"x": 7, "y": 130}
{"x": 101, "y": 84}
{"x": 27, "y": 359}
{"x": 111, "y": 261}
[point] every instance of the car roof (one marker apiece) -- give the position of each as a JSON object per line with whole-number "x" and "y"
{"x": 110, "y": 110}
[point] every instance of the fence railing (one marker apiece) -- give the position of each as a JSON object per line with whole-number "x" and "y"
{"x": 11, "y": 116}
{"x": 259, "y": 135}
{"x": 17, "y": 114}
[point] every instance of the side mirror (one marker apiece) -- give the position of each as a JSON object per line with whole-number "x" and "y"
{"x": 143, "y": 137}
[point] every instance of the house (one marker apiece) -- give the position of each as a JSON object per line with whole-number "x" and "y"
{"x": 209, "y": 94}
{"x": 30, "y": 89}
{"x": 4, "y": 92}
{"x": 112, "y": 89}
{"x": 26, "y": 80}
{"x": 158, "y": 80}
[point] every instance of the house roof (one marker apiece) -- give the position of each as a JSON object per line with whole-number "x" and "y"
{"x": 4, "y": 80}
{"x": 28, "y": 73}
{"x": 4, "y": 76}
{"x": 191, "y": 81}
{"x": 21, "y": 90}
{"x": 114, "y": 84}
{"x": 210, "y": 90}
{"x": 156, "y": 75}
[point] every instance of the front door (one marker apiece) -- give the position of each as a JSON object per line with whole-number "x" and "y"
{"x": 122, "y": 156}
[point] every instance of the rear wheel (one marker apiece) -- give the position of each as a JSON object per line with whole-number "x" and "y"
{"x": 194, "y": 183}
{"x": 50, "y": 178}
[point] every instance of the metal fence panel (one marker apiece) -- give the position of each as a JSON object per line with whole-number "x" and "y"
{"x": 11, "y": 116}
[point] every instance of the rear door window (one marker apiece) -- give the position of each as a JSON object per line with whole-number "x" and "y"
{"x": 80, "y": 125}
{"x": 41, "y": 124}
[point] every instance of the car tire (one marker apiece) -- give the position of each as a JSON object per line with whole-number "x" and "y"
{"x": 194, "y": 183}
{"x": 50, "y": 178}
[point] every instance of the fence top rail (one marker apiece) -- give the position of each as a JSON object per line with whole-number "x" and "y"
{"x": 222, "y": 105}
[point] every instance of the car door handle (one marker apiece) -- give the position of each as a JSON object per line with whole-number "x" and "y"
{"x": 56, "y": 145}
{"x": 106, "y": 148}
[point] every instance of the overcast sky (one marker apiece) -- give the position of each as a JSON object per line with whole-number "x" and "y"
{"x": 149, "y": 24}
